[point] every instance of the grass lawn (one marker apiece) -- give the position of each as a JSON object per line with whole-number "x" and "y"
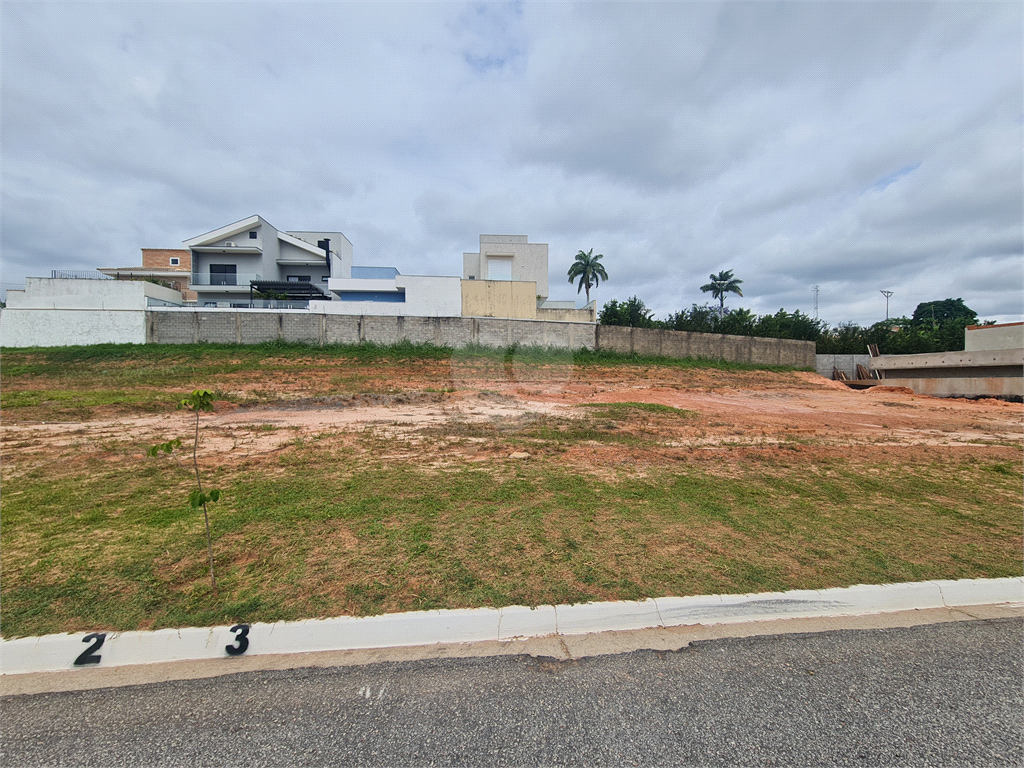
{"x": 99, "y": 536}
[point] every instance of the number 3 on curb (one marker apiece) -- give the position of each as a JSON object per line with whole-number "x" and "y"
{"x": 241, "y": 638}
{"x": 89, "y": 655}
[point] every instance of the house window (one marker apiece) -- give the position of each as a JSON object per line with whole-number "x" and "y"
{"x": 175, "y": 261}
{"x": 299, "y": 279}
{"x": 385, "y": 296}
{"x": 223, "y": 274}
{"x": 252, "y": 235}
{"x": 210, "y": 304}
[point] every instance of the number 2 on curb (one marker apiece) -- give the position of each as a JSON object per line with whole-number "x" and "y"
{"x": 241, "y": 638}
{"x": 89, "y": 655}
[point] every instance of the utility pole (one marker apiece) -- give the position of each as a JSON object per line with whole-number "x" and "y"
{"x": 815, "y": 289}
{"x": 887, "y": 294}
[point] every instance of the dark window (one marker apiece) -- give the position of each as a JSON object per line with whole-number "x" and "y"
{"x": 252, "y": 235}
{"x": 299, "y": 279}
{"x": 387, "y": 296}
{"x": 174, "y": 261}
{"x": 210, "y": 304}
{"x": 223, "y": 274}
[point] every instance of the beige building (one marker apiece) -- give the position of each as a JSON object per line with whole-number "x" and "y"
{"x": 508, "y": 277}
{"x": 509, "y": 257}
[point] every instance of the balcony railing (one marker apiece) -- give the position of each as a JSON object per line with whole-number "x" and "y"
{"x": 254, "y": 304}
{"x": 76, "y": 274}
{"x": 221, "y": 278}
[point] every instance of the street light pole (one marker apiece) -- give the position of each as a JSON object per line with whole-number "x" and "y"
{"x": 887, "y": 294}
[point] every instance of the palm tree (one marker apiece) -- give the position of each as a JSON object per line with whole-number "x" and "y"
{"x": 589, "y": 270}
{"x": 721, "y": 284}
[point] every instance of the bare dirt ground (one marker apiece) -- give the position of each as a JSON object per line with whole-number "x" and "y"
{"x": 730, "y": 409}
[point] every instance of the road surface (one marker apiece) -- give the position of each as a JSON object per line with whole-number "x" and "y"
{"x": 942, "y": 694}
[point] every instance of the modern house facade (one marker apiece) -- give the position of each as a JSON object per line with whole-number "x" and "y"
{"x": 509, "y": 258}
{"x": 251, "y": 260}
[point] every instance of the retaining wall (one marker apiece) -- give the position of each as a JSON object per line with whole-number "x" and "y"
{"x": 845, "y": 363}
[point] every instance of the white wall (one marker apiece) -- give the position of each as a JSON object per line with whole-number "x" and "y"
{"x": 425, "y": 296}
{"x": 65, "y": 327}
{"x": 56, "y": 293}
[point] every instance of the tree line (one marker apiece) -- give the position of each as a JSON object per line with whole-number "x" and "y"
{"x": 936, "y": 326}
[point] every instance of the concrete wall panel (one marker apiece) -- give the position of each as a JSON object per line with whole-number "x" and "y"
{"x": 978, "y": 338}
{"x": 68, "y": 327}
{"x": 380, "y": 330}
{"x": 846, "y": 363}
{"x": 963, "y": 386}
{"x": 253, "y": 327}
{"x": 301, "y": 326}
{"x": 493, "y": 332}
{"x": 341, "y": 329}
{"x": 420, "y": 330}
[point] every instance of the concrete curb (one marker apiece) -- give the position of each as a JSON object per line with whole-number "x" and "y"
{"x": 67, "y": 652}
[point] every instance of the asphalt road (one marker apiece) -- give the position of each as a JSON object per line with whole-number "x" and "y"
{"x": 942, "y": 694}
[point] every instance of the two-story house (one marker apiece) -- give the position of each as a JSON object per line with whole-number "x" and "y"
{"x": 244, "y": 263}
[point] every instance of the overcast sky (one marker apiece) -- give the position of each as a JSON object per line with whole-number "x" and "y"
{"x": 855, "y": 146}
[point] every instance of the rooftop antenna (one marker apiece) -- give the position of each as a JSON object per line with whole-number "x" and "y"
{"x": 887, "y": 294}
{"x": 815, "y": 289}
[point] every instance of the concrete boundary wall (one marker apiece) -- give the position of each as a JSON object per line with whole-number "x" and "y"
{"x": 193, "y": 325}
{"x": 242, "y": 326}
{"x": 739, "y": 349}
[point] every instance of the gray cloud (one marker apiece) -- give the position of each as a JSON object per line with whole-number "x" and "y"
{"x": 855, "y": 146}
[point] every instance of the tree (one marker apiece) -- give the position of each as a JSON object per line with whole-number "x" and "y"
{"x": 589, "y": 269}
{"x": 632, "y": 314}
{"x": 721, "y": 284}
{"x": 936, "y": 313}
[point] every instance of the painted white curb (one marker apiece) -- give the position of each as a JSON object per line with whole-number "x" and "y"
{"x": 60, "y": 652}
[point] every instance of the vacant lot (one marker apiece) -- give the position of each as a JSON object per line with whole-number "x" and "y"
{"x": 362, "y": 480}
